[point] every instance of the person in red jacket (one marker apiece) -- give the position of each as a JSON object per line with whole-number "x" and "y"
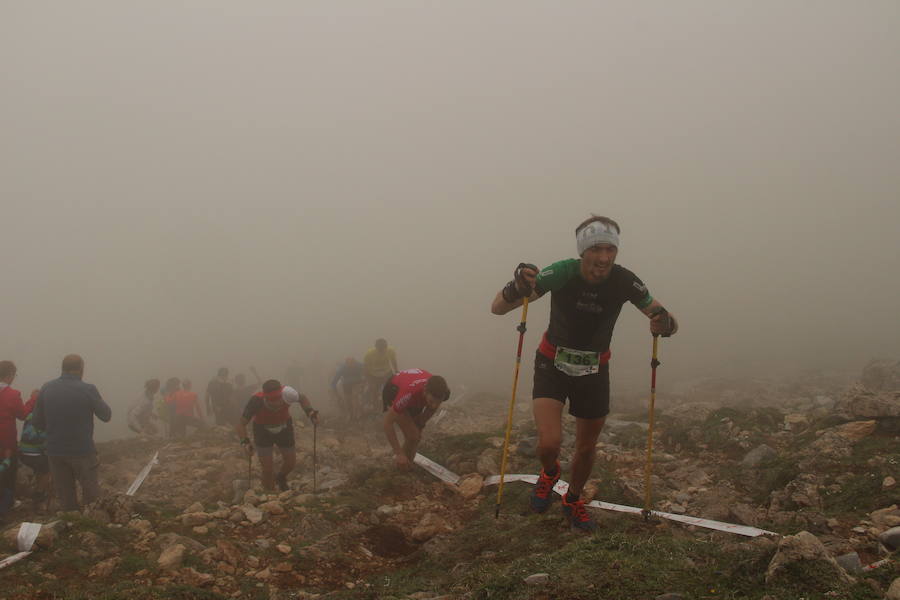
{"x": 409, "y": 399}
{"x": 11, "y": 408}
{"x": 186, "y": 410}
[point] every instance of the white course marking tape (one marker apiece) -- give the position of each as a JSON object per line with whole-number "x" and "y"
{"x": 28, "y": 533}
{"x": 136, "y": 484}
{"x": 562, "y": 487}
{"x": 876, "y": 564}
{"x": 437, "y": 470}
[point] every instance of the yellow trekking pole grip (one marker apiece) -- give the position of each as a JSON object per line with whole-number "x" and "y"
{"x": 512, "y": 404}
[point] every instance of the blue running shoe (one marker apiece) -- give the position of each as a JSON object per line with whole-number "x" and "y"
{"x": 542, "y": 494}
{"x": 577, "y": 514}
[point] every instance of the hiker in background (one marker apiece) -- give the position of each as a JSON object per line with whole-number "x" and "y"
{"x": 141, "y": 414}
{"x": 32, "y": 454}
{"x": 410, "y": 398}
{"x": 65, "y": 410}
{"x": 165, "y": 406}
{"x": 11, "y": 408}
{"x": 269, "y": 411}
{"x": 242, "y": 391}
{"x": 380, "y": 364}
{"x": 186, "y": 410}
{"x": 350, "y": 376}
{"x": 572, "y": 361}
{"x": 218, "y": 399}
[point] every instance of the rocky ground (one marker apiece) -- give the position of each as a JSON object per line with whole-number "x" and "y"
{"x": 816, "y": 462}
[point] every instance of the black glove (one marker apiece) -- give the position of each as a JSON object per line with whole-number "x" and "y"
{"x": 667, "y": 320}
{"x": 518, "y": 288}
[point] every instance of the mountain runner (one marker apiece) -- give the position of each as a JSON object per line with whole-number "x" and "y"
{"x": 409, "y": 399}
{"x": 273, "y": 426}
{"x": 187, "y": 410}
{"x": 141, "y": 415}
{"x": 380, "y": 365}
{"x": 350, "y": 376}
{"x": 572, "y": 361}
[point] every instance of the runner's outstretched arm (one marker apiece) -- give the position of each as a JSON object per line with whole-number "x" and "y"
{"x": 308, "y": 409}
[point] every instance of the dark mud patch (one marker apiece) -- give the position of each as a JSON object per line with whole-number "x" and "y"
{"x": 388, "y": 541}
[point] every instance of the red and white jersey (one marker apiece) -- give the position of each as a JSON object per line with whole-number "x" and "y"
{"x": 410, "y": 390}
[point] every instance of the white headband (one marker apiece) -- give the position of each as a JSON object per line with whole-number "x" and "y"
{"x": 596, "y": 233}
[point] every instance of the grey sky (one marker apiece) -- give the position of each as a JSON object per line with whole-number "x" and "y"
{"x": 185, "y": 185}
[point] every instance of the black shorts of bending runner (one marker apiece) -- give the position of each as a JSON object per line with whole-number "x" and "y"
{"x": 588, "y": 395}
{"x": 388, "y": 393}
{"x": 264, "y": 438}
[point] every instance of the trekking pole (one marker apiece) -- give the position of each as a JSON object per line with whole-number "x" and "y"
{"x": 648, "y": 467}
{"x": 512, "y": 402}
{"x": 250, "y": 471}
{"x": 315, "y": 458}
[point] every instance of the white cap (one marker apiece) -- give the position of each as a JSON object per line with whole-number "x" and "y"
{"x": 290, "y": 395}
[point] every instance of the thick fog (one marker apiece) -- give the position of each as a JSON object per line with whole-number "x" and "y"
{"x": 192, "y": 185}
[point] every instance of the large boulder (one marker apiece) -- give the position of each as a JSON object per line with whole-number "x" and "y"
{"x": 172, "y": 557}
{"x": 804, "y": 553}
{"x": 759, "y": 456}
{"x": 882, "y": 375}
{"x": 861, "y": 403}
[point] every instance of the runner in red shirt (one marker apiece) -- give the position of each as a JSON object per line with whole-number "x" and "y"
{"x": 186, "y": 410}
{"x": 409, "y": 399}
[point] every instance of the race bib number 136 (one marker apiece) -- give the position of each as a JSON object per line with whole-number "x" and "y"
{"x": 577, "y": 362}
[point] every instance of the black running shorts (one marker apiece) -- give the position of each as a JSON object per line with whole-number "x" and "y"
{"x": 588, "y": 395}
{"x": 388, "y": 393}
{"x": 264, "y": 437}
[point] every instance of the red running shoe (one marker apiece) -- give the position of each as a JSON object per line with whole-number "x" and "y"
{"x": 542, "y": 494}
{"x": 578, "y": 515}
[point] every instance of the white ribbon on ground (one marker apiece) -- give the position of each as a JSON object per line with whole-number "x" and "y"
{"x": 437, "y": 470}
{"x": 562, "y": 487}
{"x": 136, "y": 484}
{"x": 876, "y": 564}
{"x": 28, "y": 533}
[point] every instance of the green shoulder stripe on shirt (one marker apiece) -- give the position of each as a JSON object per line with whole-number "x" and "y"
{"x": 647, "y": 301}
{"x": 557, "y": 275}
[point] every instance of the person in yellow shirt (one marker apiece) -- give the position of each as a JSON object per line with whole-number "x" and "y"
{"x": 379, "y": 364}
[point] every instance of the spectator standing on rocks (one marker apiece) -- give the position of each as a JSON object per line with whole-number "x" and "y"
{"x": 11, "y": 408}
{"x": 409, "y": 399}
{"x": 65, "y": 410}
{"x": 572, "y": 361}
{"x": 186, "y": 410}
{"x": 269, "y": 411}
{"x": 380, "y": 364}
{"x": 141, "y": 415}
{"x": 218, "y": 399}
